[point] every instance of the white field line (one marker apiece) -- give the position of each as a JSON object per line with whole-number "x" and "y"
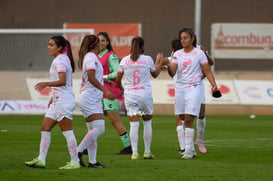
{"x": 238, "y": 140}
{"x": 255, "y": 142}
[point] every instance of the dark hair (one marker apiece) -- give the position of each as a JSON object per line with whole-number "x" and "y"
{"x": 106, "y": 36}
{"x": 60, "y": 41}
{"x": 194, "y": 41}
{"x": 89, "y": 42}
{"x": 176, "y": 44}
{"x": 192, "y": 34}
{"x": 137, "y": 47}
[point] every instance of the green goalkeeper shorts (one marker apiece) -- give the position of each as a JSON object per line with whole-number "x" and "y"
{"x": 110, "y": 105}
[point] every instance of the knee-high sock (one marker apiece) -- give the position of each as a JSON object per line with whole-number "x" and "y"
{"x": 92, "y": 149}
{"x": 92, "y": 152}
{"x": 181, "y": 136}
{"x": 134, "y": 136}
{"x": 72, "y": 146}
{"x": 44, "y": 145}
{"x": 147, "y": 135}
{"x": 189, "y": 134}
{"x": 95, "y": 129}
{"x": 200, "y": 126}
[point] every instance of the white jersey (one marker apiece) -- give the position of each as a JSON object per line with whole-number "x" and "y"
{"x": 203, "y": 95}
{"x": 63, "y": 98}
{"x": 91, "y": 62}
{"x": 189, "y": 71}
{"x": 137, "y": 74}
{"x": 61, "y": 63}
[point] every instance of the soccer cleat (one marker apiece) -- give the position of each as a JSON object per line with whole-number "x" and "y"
{"x": 148, "y": 156}
{"x": 70, "y": 166}
{"x": 189, "y": 155}
{"x": 181, "y": 152}
{"x": 201, "y": 146}
{"x": 134, "y": 157}
{"x": 126, "y": 150}
{"x": 35, "y": 163}
{"x": 96, "y": 165}
{"x": 85, "y": 152}
{"x": 80, "y": 159}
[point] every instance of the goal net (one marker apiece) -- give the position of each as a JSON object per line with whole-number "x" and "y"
{"x": 26, "y": 49}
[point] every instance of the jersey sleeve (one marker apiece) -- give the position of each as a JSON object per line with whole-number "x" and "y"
{"x": 203, "y": 57}
{"x": 90, "y": 63}
{"x": 121, "y": 66}
{"x": 151, "y": 64}
{"x": 174, "y": 58}
{"x": 60, "y": 64}
{"x": 113, "y": 66}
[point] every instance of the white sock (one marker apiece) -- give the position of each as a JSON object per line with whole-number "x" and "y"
{"x": 200, "y": 126}
{"x": 147, "y": 135}
{"x": 189, "y": 134}
{"x": 98, "y": 128}
{"x": 44, "y": 145}
{"x": 181, "y": 136}
{"x": 72, "y": 146}
{"x": 134, "y": 136}
{"x": 92, "y": 151}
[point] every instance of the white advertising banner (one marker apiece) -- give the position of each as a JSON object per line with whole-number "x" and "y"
{"x": 38, "y": 95}
{"x": 11, "y": 106}
{"x": 255, "y": 92}
{"x": 163, "y": 91}
{"x": 242, "y": 40}
{"x": 46, "y": 93}
{"x": 229, "y": 95}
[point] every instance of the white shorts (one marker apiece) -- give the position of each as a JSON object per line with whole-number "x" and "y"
{"x": 90, "y": 105}
{"x": 138, "y": 105}
{"x": 203, "y": 95}
{"x": 61, "y": 108}
{"x": 188, "y": 102}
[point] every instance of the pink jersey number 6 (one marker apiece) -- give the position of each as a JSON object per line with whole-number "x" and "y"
{"x": 136, "y": 77}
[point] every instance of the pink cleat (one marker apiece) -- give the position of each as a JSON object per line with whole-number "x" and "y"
{"x": 201, "y": 146}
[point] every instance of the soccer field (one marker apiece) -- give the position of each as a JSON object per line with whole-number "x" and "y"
{"x": 239, "y": 148}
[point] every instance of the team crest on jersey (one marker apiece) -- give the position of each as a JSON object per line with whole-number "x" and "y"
{"x": 187, "y": 62}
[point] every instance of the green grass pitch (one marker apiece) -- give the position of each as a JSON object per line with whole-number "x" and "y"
{"x": 239, "y": 148}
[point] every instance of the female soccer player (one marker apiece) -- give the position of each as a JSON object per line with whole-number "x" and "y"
{"x": 110, "y": 64}
{"x": 189, "y": 65}
{"x": 90, "y": 104}
{"x": 61, "y": 104}
{"x": 136, "y": 69}
{"x": 201, "y": 121}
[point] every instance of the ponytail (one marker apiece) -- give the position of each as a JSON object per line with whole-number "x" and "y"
{"x": 68, "y": 51}
{"x": 89, "y": 42}
{"x": 137, "y": 48}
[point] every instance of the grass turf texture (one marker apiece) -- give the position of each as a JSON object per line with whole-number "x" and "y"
{"x": 239, "y": 148}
